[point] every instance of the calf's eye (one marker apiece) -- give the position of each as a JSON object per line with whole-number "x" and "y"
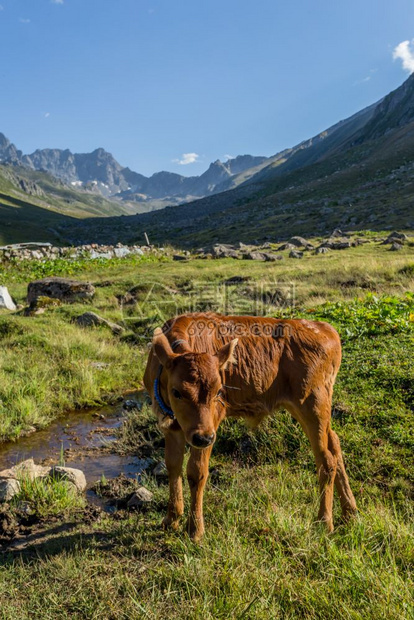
{"x": 220, "y": 394}
{"x": 176, "y": 393}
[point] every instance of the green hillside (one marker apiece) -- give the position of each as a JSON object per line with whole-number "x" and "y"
{"x": 34, "y": 206}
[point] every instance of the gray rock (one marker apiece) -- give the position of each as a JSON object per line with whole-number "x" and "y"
{"x": 295, "y": 254}
{"x": 9, "y": 487}
{"x": 121, "y": 252}
{"x": 272, "y": 257}
{"x": 91, "y": 319}
{"x": 254, "y": 256}
{"x": 396, "y": 236}
{"x": 5, "y": 300}
{"x": 396, "y": 247}
{"x": 322, "y": 250}
{"x": 69, "y": 474}
{"x": 59, "y": 288}
{"x": 25, "y": 469}
{"x": 286, "y": 246}
{"x": 160, "y": 470}
{"x": 141, "y": 498}
{"x": 300, "y": 242}
{"x": 224, "y": 251}
{"x": 179, "y": 257}
{"x": 95, "y": 254}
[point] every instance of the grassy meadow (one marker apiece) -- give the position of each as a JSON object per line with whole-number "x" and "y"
{"x": 263, "y": 555}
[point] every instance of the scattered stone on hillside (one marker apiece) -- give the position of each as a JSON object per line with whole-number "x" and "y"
{"x": 224, "y": 251}
{"x": 69, "y": 474}
{"x": 140, "y": 499}
{"x": 337, "y": 233}
{"x": 269, "y": 257}
{"x": 336, "y": 244}
{"x": 179, "y": 257}
{"x": 5, "y": 300}
{"x": 322, "y": 250}
{"x": 9, "y": 487}
{"x": 300, "y": 242}
{"x": 295, "y": 254}
{"x": 396, "y": 237}
{"x": 395, "y": 246}
{"x": 254, "y": 256}
{"x": 286, "y": 246}
{"x": 91, "y": 319}
{"x": 59, "y": 288}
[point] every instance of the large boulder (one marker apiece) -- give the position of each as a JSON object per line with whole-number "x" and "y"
{"x": 271, "y": 258}
{"x": 300, "y": 242}
{"x": 254, "y": 256}
{"x": 5, "y": 300}
{"x": 59, "y": 288}
{"x": 396, "y": 236}
{"x": 91, "y": 319}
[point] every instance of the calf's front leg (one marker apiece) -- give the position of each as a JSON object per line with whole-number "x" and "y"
{"x": 197, "y": 474}
{"x": 174, "y": 455}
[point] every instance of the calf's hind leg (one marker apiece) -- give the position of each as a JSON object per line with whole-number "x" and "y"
{"x": 314, "y": 417}
{"x": 346, "y": 497}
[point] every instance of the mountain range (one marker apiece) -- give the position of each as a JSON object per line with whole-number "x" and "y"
{"x": 100, "y": 172}
{"x": 357, "y": 174}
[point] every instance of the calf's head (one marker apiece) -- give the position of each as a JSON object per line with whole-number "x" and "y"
{"x": 192, "y": 386}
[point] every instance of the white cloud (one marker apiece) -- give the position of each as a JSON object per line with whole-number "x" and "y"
{"x": 47, "y": 114}
{"x": 365, "y": 79}
{"x": 227, "y": 157}
{"x": 1, "y": 7}
{"x": 405, "y": 52}
{"x": 187, "y": 158}
{"x": 57, "y": 1}
{"x": 24, "y": 21}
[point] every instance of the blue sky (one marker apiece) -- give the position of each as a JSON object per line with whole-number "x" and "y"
{"x": 158, "y": 82}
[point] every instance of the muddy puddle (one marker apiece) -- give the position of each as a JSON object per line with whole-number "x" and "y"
{"x": 82, "y": 439}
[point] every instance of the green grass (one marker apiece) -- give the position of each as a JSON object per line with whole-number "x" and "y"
{"x": 263, "y": 555}
{"x": 45, "y": 497}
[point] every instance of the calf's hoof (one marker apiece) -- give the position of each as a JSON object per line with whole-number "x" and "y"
{"x": 195, "y": 531}
{"x": 348, "y": 514}
{"x": 171, "y": 523}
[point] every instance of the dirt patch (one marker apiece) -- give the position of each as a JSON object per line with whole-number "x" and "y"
{"x": 19, "y": 527}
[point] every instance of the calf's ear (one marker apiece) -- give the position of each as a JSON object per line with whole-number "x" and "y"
{"x": 226, "y": 354}
{"x": 162, "y": 347}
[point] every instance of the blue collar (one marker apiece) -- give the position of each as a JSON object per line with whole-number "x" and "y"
{"x": 164, "y": 408}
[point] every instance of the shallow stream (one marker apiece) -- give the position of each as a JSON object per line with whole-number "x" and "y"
{"x": 82, "y": 439}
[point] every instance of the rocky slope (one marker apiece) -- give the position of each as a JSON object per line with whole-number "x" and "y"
{"x": 357, "y": 174}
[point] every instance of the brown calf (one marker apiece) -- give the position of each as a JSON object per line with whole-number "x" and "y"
{"x": 204, "y": 367}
